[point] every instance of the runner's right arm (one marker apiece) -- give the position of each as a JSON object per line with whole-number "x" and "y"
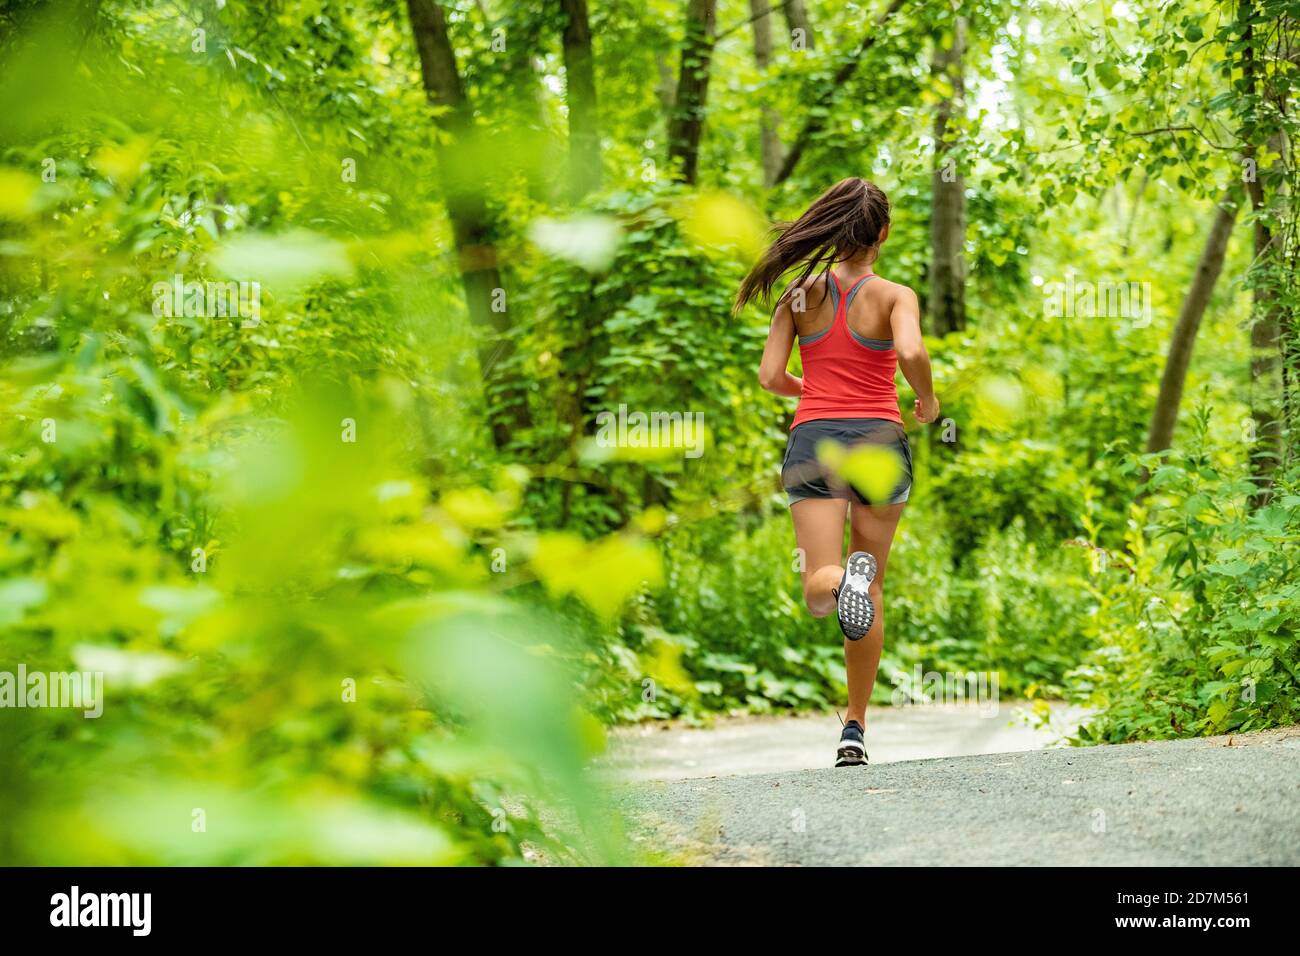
{"x": 773, "y": 372}
{"x": 913, "y": 359}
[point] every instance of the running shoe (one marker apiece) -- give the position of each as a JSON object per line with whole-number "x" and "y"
{"x": 852, "y": 750}
{"x": 853, "y": 607}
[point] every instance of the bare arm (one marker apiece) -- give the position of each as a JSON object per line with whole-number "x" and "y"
{"x": 913, "y": 359}
{"x": 772, "y": 373}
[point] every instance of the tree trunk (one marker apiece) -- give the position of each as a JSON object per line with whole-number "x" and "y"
{"x": 687, "y": 122}
{"x": 770, "y": 122}
{"x": 1183, "y": 340}
{"x": 580, "y": 91}
{"x": 1265, "y": 358}
{"x": 471, "y": 222}
{"x": 1265, "y": 329}
{"x": 947, "y": 305}
{"x": 801, "y": 34}
{"x": 819, "y": 109}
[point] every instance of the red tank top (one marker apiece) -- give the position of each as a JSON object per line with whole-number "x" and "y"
{"x": 844, "y": 374}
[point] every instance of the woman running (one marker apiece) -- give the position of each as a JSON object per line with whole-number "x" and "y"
{"x": 853, "y": 328}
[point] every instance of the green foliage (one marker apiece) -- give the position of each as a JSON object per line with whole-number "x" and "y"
{"x": 1196, "y": 630}
{"x": 343, "y": 620}
{"x": 652, "y": 330}
{"x": 227, "y": 511}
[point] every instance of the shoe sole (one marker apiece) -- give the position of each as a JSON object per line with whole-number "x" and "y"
{"x": 853, "y": 607}
{"x": 850, "y": 757}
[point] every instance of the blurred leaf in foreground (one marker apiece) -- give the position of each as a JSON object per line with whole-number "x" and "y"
{"x": 283, "y": 262}
{"x": 604, "y": 574}
{"x": 587, "y": 241}
{"x": 874, "y": 470}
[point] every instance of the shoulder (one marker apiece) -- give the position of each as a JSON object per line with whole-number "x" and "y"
{"x": 894, "y": 293}
{"x": 892, "y": 289}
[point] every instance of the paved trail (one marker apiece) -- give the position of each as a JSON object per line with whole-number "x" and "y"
{"x": 1218, "y": 801}
{"x": 768, "y": 744}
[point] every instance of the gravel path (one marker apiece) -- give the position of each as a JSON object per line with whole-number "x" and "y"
{"x": 1218, "y": 801}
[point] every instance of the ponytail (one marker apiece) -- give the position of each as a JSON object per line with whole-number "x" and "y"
{"x": 845, "y": 220}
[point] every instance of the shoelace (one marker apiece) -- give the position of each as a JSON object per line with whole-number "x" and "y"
{"x": 844, "y": 728}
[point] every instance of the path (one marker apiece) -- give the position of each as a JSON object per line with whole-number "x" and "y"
{"x": 1220, "y": 801}
{"x": 768, "y": 744}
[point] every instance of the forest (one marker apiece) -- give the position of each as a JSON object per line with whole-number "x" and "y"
{"x": 317, "y": 319}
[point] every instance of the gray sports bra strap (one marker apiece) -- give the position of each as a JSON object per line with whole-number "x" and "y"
{"x": 880, "y": 345}
{"x": 853, "y": 293}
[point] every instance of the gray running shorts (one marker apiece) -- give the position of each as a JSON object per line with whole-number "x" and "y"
{"x": 803, "y": 476}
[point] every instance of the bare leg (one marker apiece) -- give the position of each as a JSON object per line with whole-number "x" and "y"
{"x": 873, "y": 531}
{"x": 819, "y": 531}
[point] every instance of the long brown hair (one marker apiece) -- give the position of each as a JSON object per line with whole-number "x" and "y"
{"x": 843, "y": 222}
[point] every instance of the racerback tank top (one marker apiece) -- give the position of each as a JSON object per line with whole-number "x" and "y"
{"x": 844, "y": 374}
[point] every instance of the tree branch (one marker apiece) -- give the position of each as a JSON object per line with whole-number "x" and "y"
{"x": 815, "y": 123}
{"x": 744, "y": 23}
